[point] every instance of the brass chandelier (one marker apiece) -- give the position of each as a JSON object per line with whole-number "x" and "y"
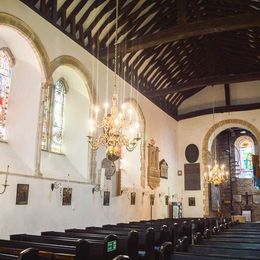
{"x": 217, "y": 173}
{"x": 116, "y": 128}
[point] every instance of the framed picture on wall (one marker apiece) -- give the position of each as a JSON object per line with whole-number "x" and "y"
{"x": 106, "y": 198}
{"x": 166, "y": 200}
{"x": 163, "y": 165}
{"x": 152, "y": 197}
{"x": 179, "y": 172}
{"x": 192, "y": 201}
{"x": 22, "y": 194}
{"x": 132, "y": 198}
{"x": 66, "y": 196}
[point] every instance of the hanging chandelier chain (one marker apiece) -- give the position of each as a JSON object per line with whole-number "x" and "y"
{"x": 216, "y": 174}
{"x": 117, "y": 127}
{"x": 116, "y": 39}
{"x": 213, "y": 115}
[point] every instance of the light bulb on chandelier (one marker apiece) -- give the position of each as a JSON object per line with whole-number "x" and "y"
{"x": 113, "y": 127}
{"x": 217, "y": 174}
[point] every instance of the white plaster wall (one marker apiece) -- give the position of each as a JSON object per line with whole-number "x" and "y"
{"x": 240, "y": 93}
{"x": 204, "y": 99}
{"x": 23, "y": 105}
{"x": 193, "y": 131}
{"x": 74, "y": 160}
{"x": 245, "y": 92}
{"x": 44, "y": 210}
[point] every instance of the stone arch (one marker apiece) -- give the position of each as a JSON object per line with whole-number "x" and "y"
{"x": 76, "y": 65}
{"x": 32, "y": 38}
{"x": 217, "y": 128}
{"x": 66, "y": 60}
{"x": 139, "y": 110}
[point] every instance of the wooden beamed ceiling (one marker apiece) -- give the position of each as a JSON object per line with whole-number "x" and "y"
{"x": 167, "y": 49}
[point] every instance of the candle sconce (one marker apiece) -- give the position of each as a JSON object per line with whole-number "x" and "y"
{"x": 59, "y": 186}
{"x": 125, "y": 191}
{"x": 145, "y": 193}
{"x": 5, "y": 185}
{"x": 96, "y": 188}
{"x": 161, "y": 194}
{"x": 56, "y": 185}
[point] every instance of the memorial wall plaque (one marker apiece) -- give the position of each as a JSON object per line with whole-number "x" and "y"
{"x": 192, "y": 153}
{"x": 192, "y": 176}
{"x": 153, "y": 165}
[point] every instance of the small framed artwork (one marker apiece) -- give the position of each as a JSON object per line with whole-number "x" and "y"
{"x": 152, "y": 199}
{"x": 192, "y": 201}
{"x": 163, "y": 165}
{"x": 179, "y": 172}
{"x": 22, "y": 194}
{"x": 132, "y": 198}
{"x": 66, "y": 196}
{"x": 166, "y": 200}
{"x": 106, "y": 198}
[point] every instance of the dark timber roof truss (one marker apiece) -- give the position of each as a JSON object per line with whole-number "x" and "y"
{"x": 167, "y": 49}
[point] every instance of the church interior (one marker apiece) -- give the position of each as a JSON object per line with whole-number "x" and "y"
{"x": 83, "y": 87}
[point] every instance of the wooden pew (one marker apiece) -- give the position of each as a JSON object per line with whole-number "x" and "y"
{"x": 145, "y": 243}
{"x": 80, "y": 251}
{"x": 104, "y": 248}
{"x": 159, "y": 232}
{"x": 42, "y": 254}
{"x": 27, "y": 254}
{"x": 127, "y": 241}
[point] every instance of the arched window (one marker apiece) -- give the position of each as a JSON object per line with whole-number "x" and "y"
{"x": 244, "y": 151}
{"x": 6, "y": 64}
{"x": 53, "y": 116}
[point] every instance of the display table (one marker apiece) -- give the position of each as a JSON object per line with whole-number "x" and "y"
{"x": 240, "y": 218}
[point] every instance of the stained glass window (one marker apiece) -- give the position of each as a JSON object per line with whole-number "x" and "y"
{"x": 5, "y": 82}
{"x": 46, "y": 117}
{"x": 245, "y": 150}
{"x": 53, "y": 116}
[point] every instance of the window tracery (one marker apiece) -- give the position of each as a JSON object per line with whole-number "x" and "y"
{"x": 244, "y": 151}
{"x": 53, "y": 116}
{"x": 6, "y": 64}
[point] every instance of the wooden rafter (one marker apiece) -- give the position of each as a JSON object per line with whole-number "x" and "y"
{"x": 169, "y": 49}
{"x": 198, "y": 83}
{"x": 221, "y": 109}
{"x": 184, "y": 31}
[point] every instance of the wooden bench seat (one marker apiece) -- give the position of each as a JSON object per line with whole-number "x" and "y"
{"x": 127, "y": 241}
{"x": 27, "y": 254}
{"x": 42, "y": 254}
{"x": 144, "y": 242}
{"x": 94, "y": 249}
